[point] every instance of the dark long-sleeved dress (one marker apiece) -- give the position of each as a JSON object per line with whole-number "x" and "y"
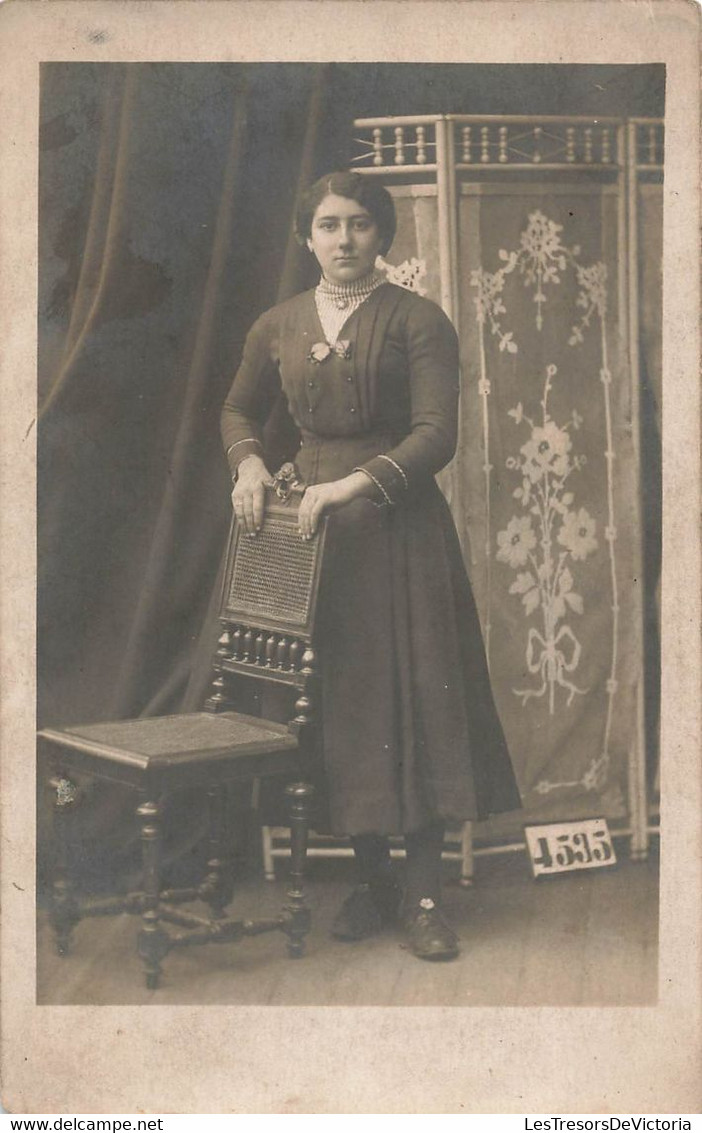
{"x": 410, "y": 730}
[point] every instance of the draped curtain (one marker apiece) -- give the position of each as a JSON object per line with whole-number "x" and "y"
{"x": 166, "y": 203}
{"x": 149, "y": 282}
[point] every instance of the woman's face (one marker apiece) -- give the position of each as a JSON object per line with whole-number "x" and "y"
{"x": 344, "y": 238}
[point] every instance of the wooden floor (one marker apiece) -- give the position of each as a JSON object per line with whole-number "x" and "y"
{"x": 581, "y": 939}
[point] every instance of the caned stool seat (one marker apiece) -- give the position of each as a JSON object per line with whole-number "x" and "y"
{"x": 173, "y": 749}
{"x": 267, "y": 613}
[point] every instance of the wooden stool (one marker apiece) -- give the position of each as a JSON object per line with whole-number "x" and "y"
{"x": 267, "y": 612}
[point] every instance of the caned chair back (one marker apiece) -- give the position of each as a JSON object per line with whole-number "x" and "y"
{"x": 269, "y": 600}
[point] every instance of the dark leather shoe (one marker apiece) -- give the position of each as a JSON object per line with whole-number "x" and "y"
{"x": 428, "y": 935}
{"x": 366, "y": 911}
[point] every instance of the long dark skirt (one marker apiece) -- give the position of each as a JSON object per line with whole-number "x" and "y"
{"x": 409, "y": 726}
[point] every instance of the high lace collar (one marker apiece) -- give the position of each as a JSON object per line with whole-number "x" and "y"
{"x": 356, "y": 289}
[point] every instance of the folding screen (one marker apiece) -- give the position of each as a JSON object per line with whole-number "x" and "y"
{"x": 527, "y": 232}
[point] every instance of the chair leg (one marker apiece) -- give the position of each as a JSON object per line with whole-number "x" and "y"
{"x": 267, "y": 852}
{"x": 467, "y": 855}
{"x": 65, "y": 913}
{"x": 216, "y": 889}
{"x": 299, "y": 920}
{"x": 153, "y": 941}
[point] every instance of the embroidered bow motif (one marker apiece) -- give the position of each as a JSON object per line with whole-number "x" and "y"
{"x": 322, "y": 350}
{"x": 548, "y": 657}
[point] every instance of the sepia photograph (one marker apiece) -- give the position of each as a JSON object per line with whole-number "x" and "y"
{"x": 349, "y": 587}
{"x": 431, "y": 295}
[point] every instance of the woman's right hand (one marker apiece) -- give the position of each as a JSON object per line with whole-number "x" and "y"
{"x": 248, "y": 496}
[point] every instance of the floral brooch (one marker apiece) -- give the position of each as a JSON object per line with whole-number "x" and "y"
{"x": 322, "y": 350}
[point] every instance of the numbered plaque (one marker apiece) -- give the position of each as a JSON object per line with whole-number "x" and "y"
{"x": 563, "y": 846}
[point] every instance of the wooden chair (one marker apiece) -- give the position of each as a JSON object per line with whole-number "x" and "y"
{"x": 267, "y": 613}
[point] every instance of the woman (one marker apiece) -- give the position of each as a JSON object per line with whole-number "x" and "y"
{"x": 411, "y": 737}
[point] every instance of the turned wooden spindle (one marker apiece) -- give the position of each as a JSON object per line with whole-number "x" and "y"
{"x": 466, "y": 143}
{"x": 538, "y": 136}
{"x": 217, "y": 696}
{"x": 399, "y": 146}
{"x": 606, "y": 146}
{"x": 153, "y": 942}
{"x": 282, "y": 653}
{"x": 260, "y": 648}
{"x": 303, "y": 711}
{"x": 421, "y": 146}
{"x": 216, "y": 887}
{"x": 294, "y": 654}
{"x": 377, "y": 146}
{"x": 484, "y": 144}
{"x": 64, "y": 906}
{"x": 570, "y": 144}
{"x": 249, "y": 645}
{"x": 309, "y": 661}
{"x": 588, "y": 144}
{"x": 503, "y": 144}
{"x": 298, "y": 922}
{"x": 271, "y": 646}
{"x": 236, "y": 640}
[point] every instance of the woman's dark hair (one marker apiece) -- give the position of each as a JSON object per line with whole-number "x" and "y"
{"x": 356, "y": 187}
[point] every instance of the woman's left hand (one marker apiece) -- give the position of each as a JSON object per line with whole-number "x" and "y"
{"x": 321, "y": 498}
